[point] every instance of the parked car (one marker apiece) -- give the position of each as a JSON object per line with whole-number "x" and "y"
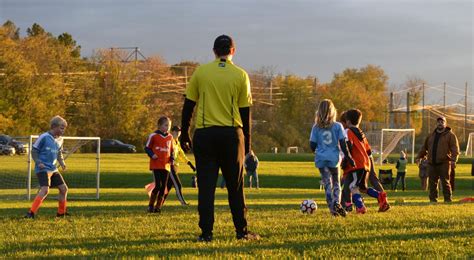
{"x": 20, "y": 147}
{"x": 116, "y": 146}
{"x": 7, "y": 150}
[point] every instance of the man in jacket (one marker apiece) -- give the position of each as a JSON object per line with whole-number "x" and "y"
{"x": 442, "y": 149}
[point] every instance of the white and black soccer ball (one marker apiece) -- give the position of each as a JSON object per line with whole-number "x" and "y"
{"x": 308, "y": 206}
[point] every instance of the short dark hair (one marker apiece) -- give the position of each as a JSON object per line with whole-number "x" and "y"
{"x": 222, "y": 45}
{"x": 175, "y": 129}
{"x": 163, "y": 119}
{"x": 354, "y": 116}
{"x": 343, "y": 117}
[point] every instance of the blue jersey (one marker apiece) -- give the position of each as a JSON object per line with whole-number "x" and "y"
{"x": 328, "y": 151}
{"x": 48, "y": 149}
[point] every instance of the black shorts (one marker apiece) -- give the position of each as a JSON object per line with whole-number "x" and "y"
{"x": 51, "y": 180}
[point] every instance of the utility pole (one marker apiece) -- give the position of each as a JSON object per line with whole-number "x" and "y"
{"x": 185, "y": 76}
{"x": 423, "y": 105}
{"x": 408, "y": 110}
{"x": 271, "y": 92}
{"x": 390, "y": 110}
{"x": 465, "y": 112}
{"x": 444, "y": 97}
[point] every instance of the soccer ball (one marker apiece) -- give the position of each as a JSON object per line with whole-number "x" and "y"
{"x": 308, "y": 206}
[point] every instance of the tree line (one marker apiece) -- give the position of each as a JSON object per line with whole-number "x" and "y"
{"x": 42, "y": 75}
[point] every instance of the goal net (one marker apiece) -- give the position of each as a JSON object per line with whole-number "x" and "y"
{"x": 82, "y": 156}
{"x": 393, "y": 141}
{"x": 470, "y": 144}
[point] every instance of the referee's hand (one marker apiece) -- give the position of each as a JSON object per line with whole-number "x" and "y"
{"x": 185, "y": 142}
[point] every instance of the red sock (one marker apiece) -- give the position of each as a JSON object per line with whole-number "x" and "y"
{"x": 62, "y": 207}
{"x": 36, "y": 204}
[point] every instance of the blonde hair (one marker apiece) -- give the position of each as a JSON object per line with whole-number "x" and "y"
{"x": 57, "y": 121}
{"x": 326, "y": 114}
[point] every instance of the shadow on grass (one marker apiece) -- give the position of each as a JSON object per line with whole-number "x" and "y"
{"x": 165, "y": 247}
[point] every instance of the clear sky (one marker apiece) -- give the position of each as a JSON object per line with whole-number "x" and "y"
{"x": 429, "y": 39}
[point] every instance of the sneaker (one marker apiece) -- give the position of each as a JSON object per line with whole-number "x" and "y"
{"x": 30, "y": 215}
{"x": 448, "y": 201}
{"x": 204, "y": 238}
{"x": 156, "y": 210}
{"x": 63, "y": 215}
{"x": 248, "y": 236}
{"x": 384, "y": 207}
{"x": 382, "y": 198}
{"x": 348, "y": 208}
{"x": 362, "y": 210}
{"x": 339, "y": 210}
{"x": 150, "y": 209}
{"x": 434, "y": 201}
{"x": 186, "y": 204}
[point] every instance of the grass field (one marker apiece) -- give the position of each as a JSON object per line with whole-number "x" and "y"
{"x": 117, "y": 225}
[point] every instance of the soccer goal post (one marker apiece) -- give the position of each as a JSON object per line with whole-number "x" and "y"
{"x": 398, "y": 140}
{"x": 82, "y": 158}
{"x": 470, "y": 144}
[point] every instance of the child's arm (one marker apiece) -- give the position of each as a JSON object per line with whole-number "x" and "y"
{"x": 35, "y": 156}
{"x": 61, "y": 159}
{"x": 148, "y": 150}
{"x": 347, "y": 154}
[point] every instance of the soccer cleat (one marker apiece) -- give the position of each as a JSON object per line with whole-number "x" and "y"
{"x": 339, "y": 210}
{"x": 348, "y": 208}
{"x": 150, "y": 209}
{"x": 384, "y": 207}
{"x": 204, "y": 238}
{"x": 58, "y": 215}
{"x": 248, "y": 236}
{"x": 382, "y": 198}
{"x": 157, "y": 210}
{"x": 361, "y": 210}
{"x": 30, "y": 215}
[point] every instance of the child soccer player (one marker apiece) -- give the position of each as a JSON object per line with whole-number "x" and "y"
{"x": 46, "y": 151}
{"x": 401, "y": 170}
{"x": 423, "y": 172}
{"x": 251, "y": 165}
{"x": 160, "y": 149}
{"x": 357, "y": 175}
{"x": 328, "y": 140}
{"x": 179, "y": 156}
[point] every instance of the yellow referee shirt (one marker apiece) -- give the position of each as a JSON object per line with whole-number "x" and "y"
{"x": 219, "y": 88}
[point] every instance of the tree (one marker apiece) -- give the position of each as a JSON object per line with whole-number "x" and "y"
{"x": 12, "y": 31}
{"x": 36, "y": 30}
{"x": 363, "y": 88}
{"x": 67, "y": 40}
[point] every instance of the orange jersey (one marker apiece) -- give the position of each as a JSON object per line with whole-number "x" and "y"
{"x": 162, "y": 146}
{"x": 360, "y": 150}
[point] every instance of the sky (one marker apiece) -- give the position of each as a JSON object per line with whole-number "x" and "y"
{"x": 428, "y": 39}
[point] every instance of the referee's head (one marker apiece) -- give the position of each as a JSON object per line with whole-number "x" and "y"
{"x": 224, "y": 46}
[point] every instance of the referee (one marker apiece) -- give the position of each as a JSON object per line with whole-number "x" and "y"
{"x": 221, "y": 91}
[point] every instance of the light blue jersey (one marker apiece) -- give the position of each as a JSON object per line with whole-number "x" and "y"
{"x": 328, "y": 151}
{"x": 48, "y": 149}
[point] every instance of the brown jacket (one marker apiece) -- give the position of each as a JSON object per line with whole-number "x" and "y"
{"x": 448, "y": 147}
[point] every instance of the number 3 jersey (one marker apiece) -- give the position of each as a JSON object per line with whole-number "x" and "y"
{"x": 48, "y": 148}
{"x": 161, "y": 145}
{"x": 328, "y": 152}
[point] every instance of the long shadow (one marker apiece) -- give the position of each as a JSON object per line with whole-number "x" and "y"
{"x": 193, "y": 248}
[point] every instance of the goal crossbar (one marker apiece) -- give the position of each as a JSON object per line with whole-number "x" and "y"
{"x": 74, "y": 149}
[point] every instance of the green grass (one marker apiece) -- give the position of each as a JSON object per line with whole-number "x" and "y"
{"x": 117, "y": 225}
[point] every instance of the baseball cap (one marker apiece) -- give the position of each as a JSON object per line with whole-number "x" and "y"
{"x": 223, "y": 42}
{"x": 441, "y": 118}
